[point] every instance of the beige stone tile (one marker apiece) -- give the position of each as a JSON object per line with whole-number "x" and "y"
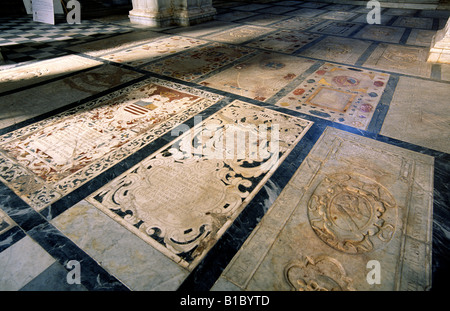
{"x": 22, "y": 262}
{"x": 337, "y": 49}
{"x": 400, "y": 59}
{"x": 284, "y": 41}
{"x": 137, "y": 264}
{"x": 239, "y": 34}
{"x": 22, "y": 76}
{"x": 109, "y": 45}
{"x": 381, "y": 33}
{"x": 445, "y": 72}
{"x": 196, "y": 62}
{"x": 144, "y": 53}
{"x": 259, "y": 77}
{"x": 352, "y": 200}
{"x": 35, "y": 101}
{"x": 421, "y": 37}
{"x": 419, "y": 113}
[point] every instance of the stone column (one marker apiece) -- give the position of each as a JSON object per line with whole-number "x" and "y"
{"x": 440, "y": 46}
{"x": 157, "y": 13}
{"x": 161, "y": 13}
{"x": 191, "y": 12}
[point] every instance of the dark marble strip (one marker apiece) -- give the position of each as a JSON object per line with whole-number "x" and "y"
{"x": 405, "y": 35}
{"x": 436, "y": 71}
{"x": 94, "y": 277}
{"x": 383, "y": 106}
{"x": 10, "y": 237}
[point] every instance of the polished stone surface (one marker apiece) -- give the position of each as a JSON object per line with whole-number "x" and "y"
{"x": 166, "y": 158}
{"x": 353, "y": 200}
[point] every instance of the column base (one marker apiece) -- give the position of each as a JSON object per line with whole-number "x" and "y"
{"x": 150, "y": 18}
{"x": 440, "y": 46}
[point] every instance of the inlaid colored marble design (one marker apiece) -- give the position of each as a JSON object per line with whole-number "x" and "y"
{"x": 259, "y": 77}
{"x": 239, "y": 34}
{"x": 401, "y": 59}
{"x": 197, "y": 62}
{"x": 285, "y": 41}
{"x": 49, "y": 159}
{"x": 341, "y": 94}
{"x": 30, "y": 74}
{"x": 298, "y": 23}
{"x": 418, "y": 115}
{"x": 336, "y": 28}
{"x": 353, "y": 202}
{"x": 145, "y": 53}
{"x": 381, "y": 33}
{"x": 182, "y": 198}
{"x": 343, "y": 50}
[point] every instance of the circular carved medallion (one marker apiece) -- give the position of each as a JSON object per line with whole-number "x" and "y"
{"x": 352, "y": 213}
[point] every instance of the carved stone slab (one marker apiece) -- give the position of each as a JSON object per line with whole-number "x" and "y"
{"x": 352, "y": 203}
{"x": 182, "y": 198}
{"x": 44, "y": 161}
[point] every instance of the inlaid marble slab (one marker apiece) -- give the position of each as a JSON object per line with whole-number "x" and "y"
{"x": 414, "y": 22}
{"x": 263, "y": 19}
{"x": 298, "y": 23}
{"x": 401, "y": 59}
{"x": 417, "y": 113}
{"x": 336, "y": 28}
{"x": 421, "y": 37}
{"x": 306, "y": 12}
{"x": 381, "y": 33}
{"x": 110, "y": 45}
{"x": 338, "y": 93}
{"x": 182, "y": 198}
{"x": 353, "y": 202}
{"x": 49, "y": 159}
{"x": 197, "y": 62}
{"x": 23, "y": 105}
{"x": 234, "y": 15}
{"x": 338, "y": 15}
{"x": 400, "y": 12}
{"x": 259, "y": 77}
{"x": 22, "y": 76}
{"x": 285, "y": 41}
{"x": 201, "y": 29}
{"x": 145, "y": 53}
{"x": 342, "y": 50}
{"x": 239, "y": 34}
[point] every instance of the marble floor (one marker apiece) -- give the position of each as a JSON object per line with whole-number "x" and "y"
{"x": 286, "y": 145}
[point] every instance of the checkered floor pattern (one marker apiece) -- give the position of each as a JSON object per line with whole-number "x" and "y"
{"x": 22, "y": 39}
